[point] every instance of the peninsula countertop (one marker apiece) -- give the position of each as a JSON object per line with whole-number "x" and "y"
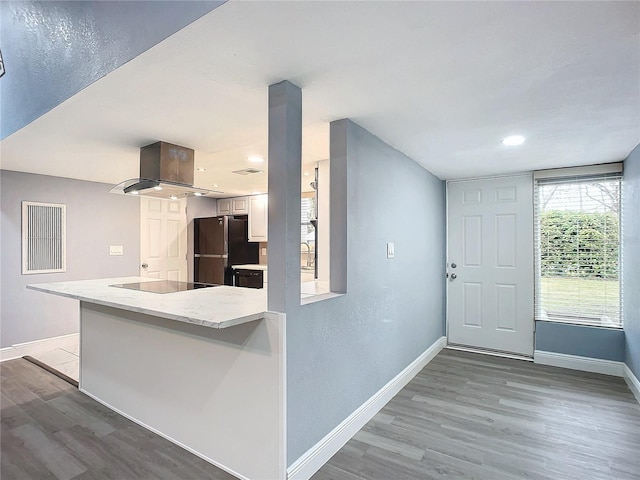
{"x": 217, "y": 307}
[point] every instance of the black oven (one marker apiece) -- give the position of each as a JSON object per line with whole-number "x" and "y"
{"x": 248, "y": 278}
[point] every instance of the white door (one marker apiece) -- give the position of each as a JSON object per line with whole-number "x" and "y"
{"x": 163, "y": 239}
{"x": 490, "y": 264}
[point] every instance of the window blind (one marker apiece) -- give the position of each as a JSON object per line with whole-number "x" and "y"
{"x": 577, "y": 249}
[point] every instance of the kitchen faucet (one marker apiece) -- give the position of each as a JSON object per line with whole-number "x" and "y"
{"x": 308, "y": 253}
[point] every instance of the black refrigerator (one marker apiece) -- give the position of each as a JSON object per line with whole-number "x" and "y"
{"x": 219, "y": 243}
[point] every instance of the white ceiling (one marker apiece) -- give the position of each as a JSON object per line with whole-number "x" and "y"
{"x": 442, "y": 82}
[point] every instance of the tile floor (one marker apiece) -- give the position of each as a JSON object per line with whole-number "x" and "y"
{"x": 64, "y": 359}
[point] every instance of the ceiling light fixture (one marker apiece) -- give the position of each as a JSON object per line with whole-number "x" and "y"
{"x": 256, "y": 159}
{"x": 216, "y": 185}
{"x": 133, "y": 192}
{"x": 513, "y": 140}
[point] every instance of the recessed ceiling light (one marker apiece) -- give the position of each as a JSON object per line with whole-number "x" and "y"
{"x": 256, "y": 159}
{"x": 202, "y": 169}
{"x": 133, "y": 192}
{"x": 216, "y": 185}
{"x": 513, "y": 140}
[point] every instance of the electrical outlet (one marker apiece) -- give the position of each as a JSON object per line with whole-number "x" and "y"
{"x": 116, "y": 250}
{"x": 390, "y": 250}
{"x": 264, "y": 251}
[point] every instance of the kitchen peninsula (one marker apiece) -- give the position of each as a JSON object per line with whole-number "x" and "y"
{"x": 203, "y": 368}
{"x": 217, "y": 307}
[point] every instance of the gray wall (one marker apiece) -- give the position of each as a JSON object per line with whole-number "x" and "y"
{"x": 74, "y": 44}
{"x": 631, "y": 268}
{"x": 197, "y": 207}
{"x": 95, "y": 220}
{"x": 343, "y": 350}
{"x": 592, "y": 342}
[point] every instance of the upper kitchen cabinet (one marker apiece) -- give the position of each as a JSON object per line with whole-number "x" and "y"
{"x": 233, "y": 206}
{"x": 258, "y": 217}
{"x": 224, "y": 206}
{"x": 239, "y": 206}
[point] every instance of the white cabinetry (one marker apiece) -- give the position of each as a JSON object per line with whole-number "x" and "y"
{"x": 258, "y": 217}
{"x": 255, "y": 206}
{"x": 224, "y": 206}
{"x": 233, "y": 206}
{"x": 239, "y": 206}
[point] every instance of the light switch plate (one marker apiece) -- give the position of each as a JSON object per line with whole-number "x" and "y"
{"x": 390, "y": 250}
{"x": 116, "y": 250}
{"x": 264, "y": 251}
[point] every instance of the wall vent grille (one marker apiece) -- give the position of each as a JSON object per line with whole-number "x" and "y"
{"x": 43, "y": 238}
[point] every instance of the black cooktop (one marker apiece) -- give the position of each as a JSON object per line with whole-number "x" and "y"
{"x": 164, "y": 286}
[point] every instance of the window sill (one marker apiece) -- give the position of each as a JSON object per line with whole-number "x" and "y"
{"x": 582, "y": 324}
{"x": 316, "y": 291}
{"x": 319, "y": 298}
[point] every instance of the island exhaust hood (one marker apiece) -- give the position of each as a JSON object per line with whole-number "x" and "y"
{"x": 166, "y": 171}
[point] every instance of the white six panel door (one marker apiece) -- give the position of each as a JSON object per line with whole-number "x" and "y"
{"x": 163, "y": 239}
{"x": 490, "y": 242}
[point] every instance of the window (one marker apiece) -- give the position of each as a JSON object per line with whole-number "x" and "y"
{"x": 577, "y": 221}
{"x": 43, "y": 238}
{"x": 307, "y": 229}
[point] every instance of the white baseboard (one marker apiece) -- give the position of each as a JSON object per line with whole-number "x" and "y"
{"x": 311, "y": 461}
{"x": 575, "y": 362}
{"x": 38, "y": 346}
{"x": 632, "y": 381}
{"x": 163, "y": 435}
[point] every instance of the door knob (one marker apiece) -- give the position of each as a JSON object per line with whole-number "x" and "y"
{"x": 144, "y": 265}
{"x": 453, "y": 276}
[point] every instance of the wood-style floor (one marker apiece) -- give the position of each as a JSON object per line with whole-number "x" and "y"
{"x": 465, "y": 416}
{"x": 469, "y": 416}
{"x": 52, "y": 431}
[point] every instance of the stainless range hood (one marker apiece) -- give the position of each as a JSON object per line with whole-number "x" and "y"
{"x": 166, "y": 171}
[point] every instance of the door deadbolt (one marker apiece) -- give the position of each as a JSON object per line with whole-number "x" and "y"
{"x": 144, "y": 265}
{"x": 453, "y": 265}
